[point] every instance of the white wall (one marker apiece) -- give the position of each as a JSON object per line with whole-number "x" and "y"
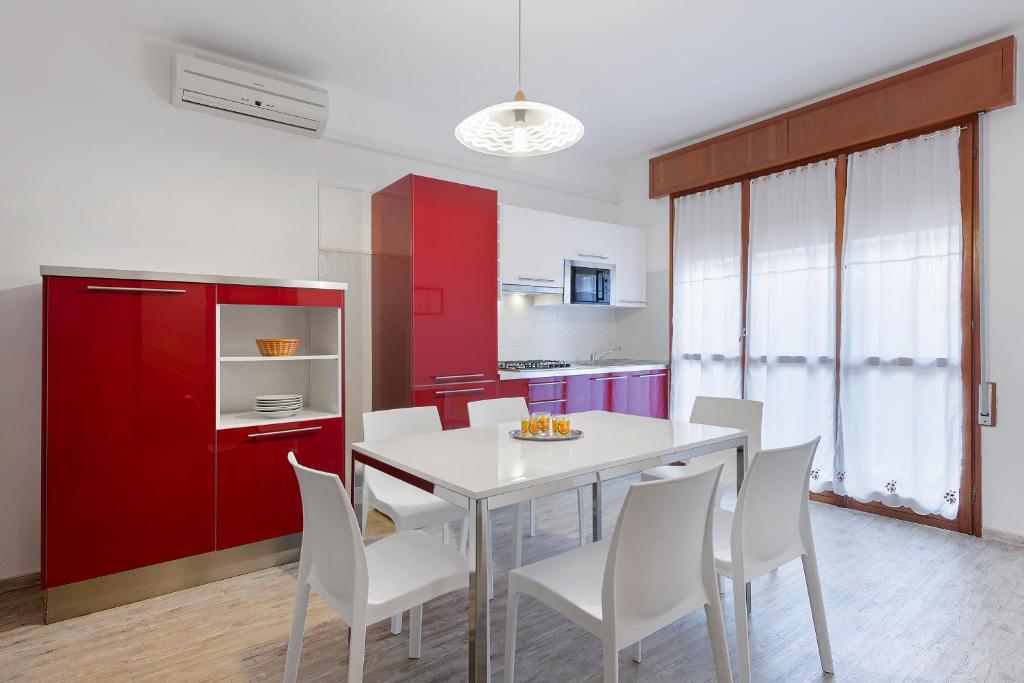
{"x": 642, "y": 332}
{"x": 97, "y": 169}
{"x": 1002, "y": 453}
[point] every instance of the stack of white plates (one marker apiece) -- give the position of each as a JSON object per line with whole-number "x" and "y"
{"x": 278, "y": 405}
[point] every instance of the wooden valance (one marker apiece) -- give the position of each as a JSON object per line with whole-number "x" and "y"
{"x": 979, "y": 79}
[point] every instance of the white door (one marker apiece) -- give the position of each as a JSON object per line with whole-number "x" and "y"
{"x": 592, "y": 241}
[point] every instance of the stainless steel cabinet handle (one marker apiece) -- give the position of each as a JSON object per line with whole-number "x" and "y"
{"x": 476, "y": 374}
{"x": 535, "y": 279}
{"x": 300, "y": 430}
{"x": 554, "y": 400}
{"x": 477, "y": 390}
{"x": 159, "y": 290}
{"x": 607, "y": 379}
{"x": 643, "y": 376}
{"x": 593, "y": 256}
{"x": 548, "y": 384}
{"x": 631, "y": 301}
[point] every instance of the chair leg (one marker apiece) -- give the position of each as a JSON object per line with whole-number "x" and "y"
{"x": 611, "y": 662}
{"x": 637, "y": 651}
{"x": 739, "y": 599}
{"x": 356, "y": 650}
{"x": 533, "y": 519}
{"x": 446, "y": 533}
{"x": 396, "y": 624}
{"x": 818, "y": 611}
{"x": 291, "y": 666}
{"x": 415, "y": 631}
{"x": 582, "y": 515}
{"x": 518, "y": 511}
{"x": 512, "y": 616}
{"x": 719, "y": 644}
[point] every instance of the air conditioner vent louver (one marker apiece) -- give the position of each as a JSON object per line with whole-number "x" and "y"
{"x": 245, "y": 93}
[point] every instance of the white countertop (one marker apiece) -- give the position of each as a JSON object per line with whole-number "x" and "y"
{"x": 480, "y": 462}
{"x": 581, "y": 369}
{"x": 111, "y": 274}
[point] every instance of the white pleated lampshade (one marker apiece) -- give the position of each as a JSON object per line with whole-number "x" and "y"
{"x": 519, "y": 128}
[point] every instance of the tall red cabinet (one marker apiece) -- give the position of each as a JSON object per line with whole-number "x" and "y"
{"x": 156, "y": 473}
{"x": 435, "y": 291}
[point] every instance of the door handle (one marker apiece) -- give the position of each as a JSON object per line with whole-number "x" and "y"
{"x": 631, "y": 301}
{"x": 476, "y": 390}
{"x": 554, "y": 400}
{"x": 156, "y": 290}
{"x": 535, "y": 279}
{"x": 300, "y": 430}
{"x": 605, "y": 258}
{"x": 548, "y": 384}
{"x": 607, "y": 379}
{"x": 476, "y": 374}
{"x": 663, "y": 374}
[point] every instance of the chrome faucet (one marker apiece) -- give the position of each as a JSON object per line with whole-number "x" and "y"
{"x": 594, "y": 358}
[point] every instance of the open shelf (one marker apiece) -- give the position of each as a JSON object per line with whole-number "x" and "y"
{"x": 314, "y": 371}
{"x": 254, "y": 419}
{"x": 260, "y": 359}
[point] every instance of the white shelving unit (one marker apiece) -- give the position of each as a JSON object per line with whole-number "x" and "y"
{"x": 314, "y": 371}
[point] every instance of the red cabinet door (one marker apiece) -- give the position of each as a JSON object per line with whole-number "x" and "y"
{"x": 451, "y": 400}
{"x": 455, "y": 276}
{"x": 609, "y": 392}
{"x": 511, "y": 388}
{"x": 658, "y": 391}
{"x": 639, "y": 398}
{"x": 578, "y": 394}
{"x": 128, "y": 425}
{"x": 257, "y": 494}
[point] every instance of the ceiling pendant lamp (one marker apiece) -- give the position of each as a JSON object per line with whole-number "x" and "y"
{"x": 519, "y": 128}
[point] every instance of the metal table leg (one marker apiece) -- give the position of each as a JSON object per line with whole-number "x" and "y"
{"x": 597, "y": 508}
{"x": 741, "y": 470}
{"x": 479, "y": 610}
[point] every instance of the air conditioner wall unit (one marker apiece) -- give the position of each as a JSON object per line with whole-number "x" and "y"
{"x": 247, "y": 93}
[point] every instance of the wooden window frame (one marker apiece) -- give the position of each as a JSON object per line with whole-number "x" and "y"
{"x": 968, "y": 518}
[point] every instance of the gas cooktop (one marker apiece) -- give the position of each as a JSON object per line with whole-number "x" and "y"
{"x": 532, "y": 364}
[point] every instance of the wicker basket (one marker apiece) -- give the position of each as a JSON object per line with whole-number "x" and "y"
{"x": 277, "y": 347}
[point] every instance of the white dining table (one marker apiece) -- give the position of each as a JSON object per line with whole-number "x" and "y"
{"x": 483, "y": 468}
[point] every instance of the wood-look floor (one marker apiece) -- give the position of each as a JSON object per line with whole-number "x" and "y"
{"x": 905, "y": 603}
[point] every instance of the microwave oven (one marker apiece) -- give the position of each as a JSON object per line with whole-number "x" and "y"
{"x": 588, "y": 283}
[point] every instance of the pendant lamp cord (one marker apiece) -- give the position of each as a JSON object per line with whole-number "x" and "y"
{"x": 520, "y": 74}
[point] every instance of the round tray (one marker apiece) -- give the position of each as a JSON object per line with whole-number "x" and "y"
{"x": 573, "y": 435}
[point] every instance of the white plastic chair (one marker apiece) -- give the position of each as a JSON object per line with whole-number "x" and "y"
{"x": 493, "y": 411}
{"x": 407, "y": 506}
{"x": 363, "y": 585}
{"x": 657, "y": 567}
{"x": 735, "y": 413}
{"x": 771, "y": 526}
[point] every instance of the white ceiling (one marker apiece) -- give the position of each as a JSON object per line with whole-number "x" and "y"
{"x": 642, "y": 76}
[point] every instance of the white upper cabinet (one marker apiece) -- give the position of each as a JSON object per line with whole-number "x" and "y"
{"x": 532, "y": 248}
{"x": 630, "y": 286}
{"x": 536, "y": 244}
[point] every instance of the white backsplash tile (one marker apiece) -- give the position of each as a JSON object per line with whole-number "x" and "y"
{"x": 552, "y": 332}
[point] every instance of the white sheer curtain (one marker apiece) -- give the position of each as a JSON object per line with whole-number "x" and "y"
{"x": 791, "y": 340}
{"x": 901, "y": 411}
{"x": 706, "y": 298}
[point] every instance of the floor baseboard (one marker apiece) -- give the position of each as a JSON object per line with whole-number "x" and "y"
{"x": 1002, "y": 536}
{"x": 14, "y": 583}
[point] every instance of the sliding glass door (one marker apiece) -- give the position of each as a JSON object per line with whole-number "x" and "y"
{"x": 756, "y": 314}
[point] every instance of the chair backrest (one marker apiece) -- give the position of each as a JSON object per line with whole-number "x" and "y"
{"x": 736, "y": 413}
{"x": 331, "y": 543}
{"x": 495, "y": 410}
{"x": 661, "y": 558}
{"x": 772, "y": 521}
{"x": 388, "y": 424}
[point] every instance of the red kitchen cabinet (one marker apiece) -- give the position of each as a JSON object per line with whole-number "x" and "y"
{"x": 609, "y": 392}
{"x": 128, "y": 424}
{"x": 648, "y": 393}
{"x": 542, "y": 394}
{"x": 435, "y": 278}
{"x": 451, "y": 400}
{"x": 257, "y": 493}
